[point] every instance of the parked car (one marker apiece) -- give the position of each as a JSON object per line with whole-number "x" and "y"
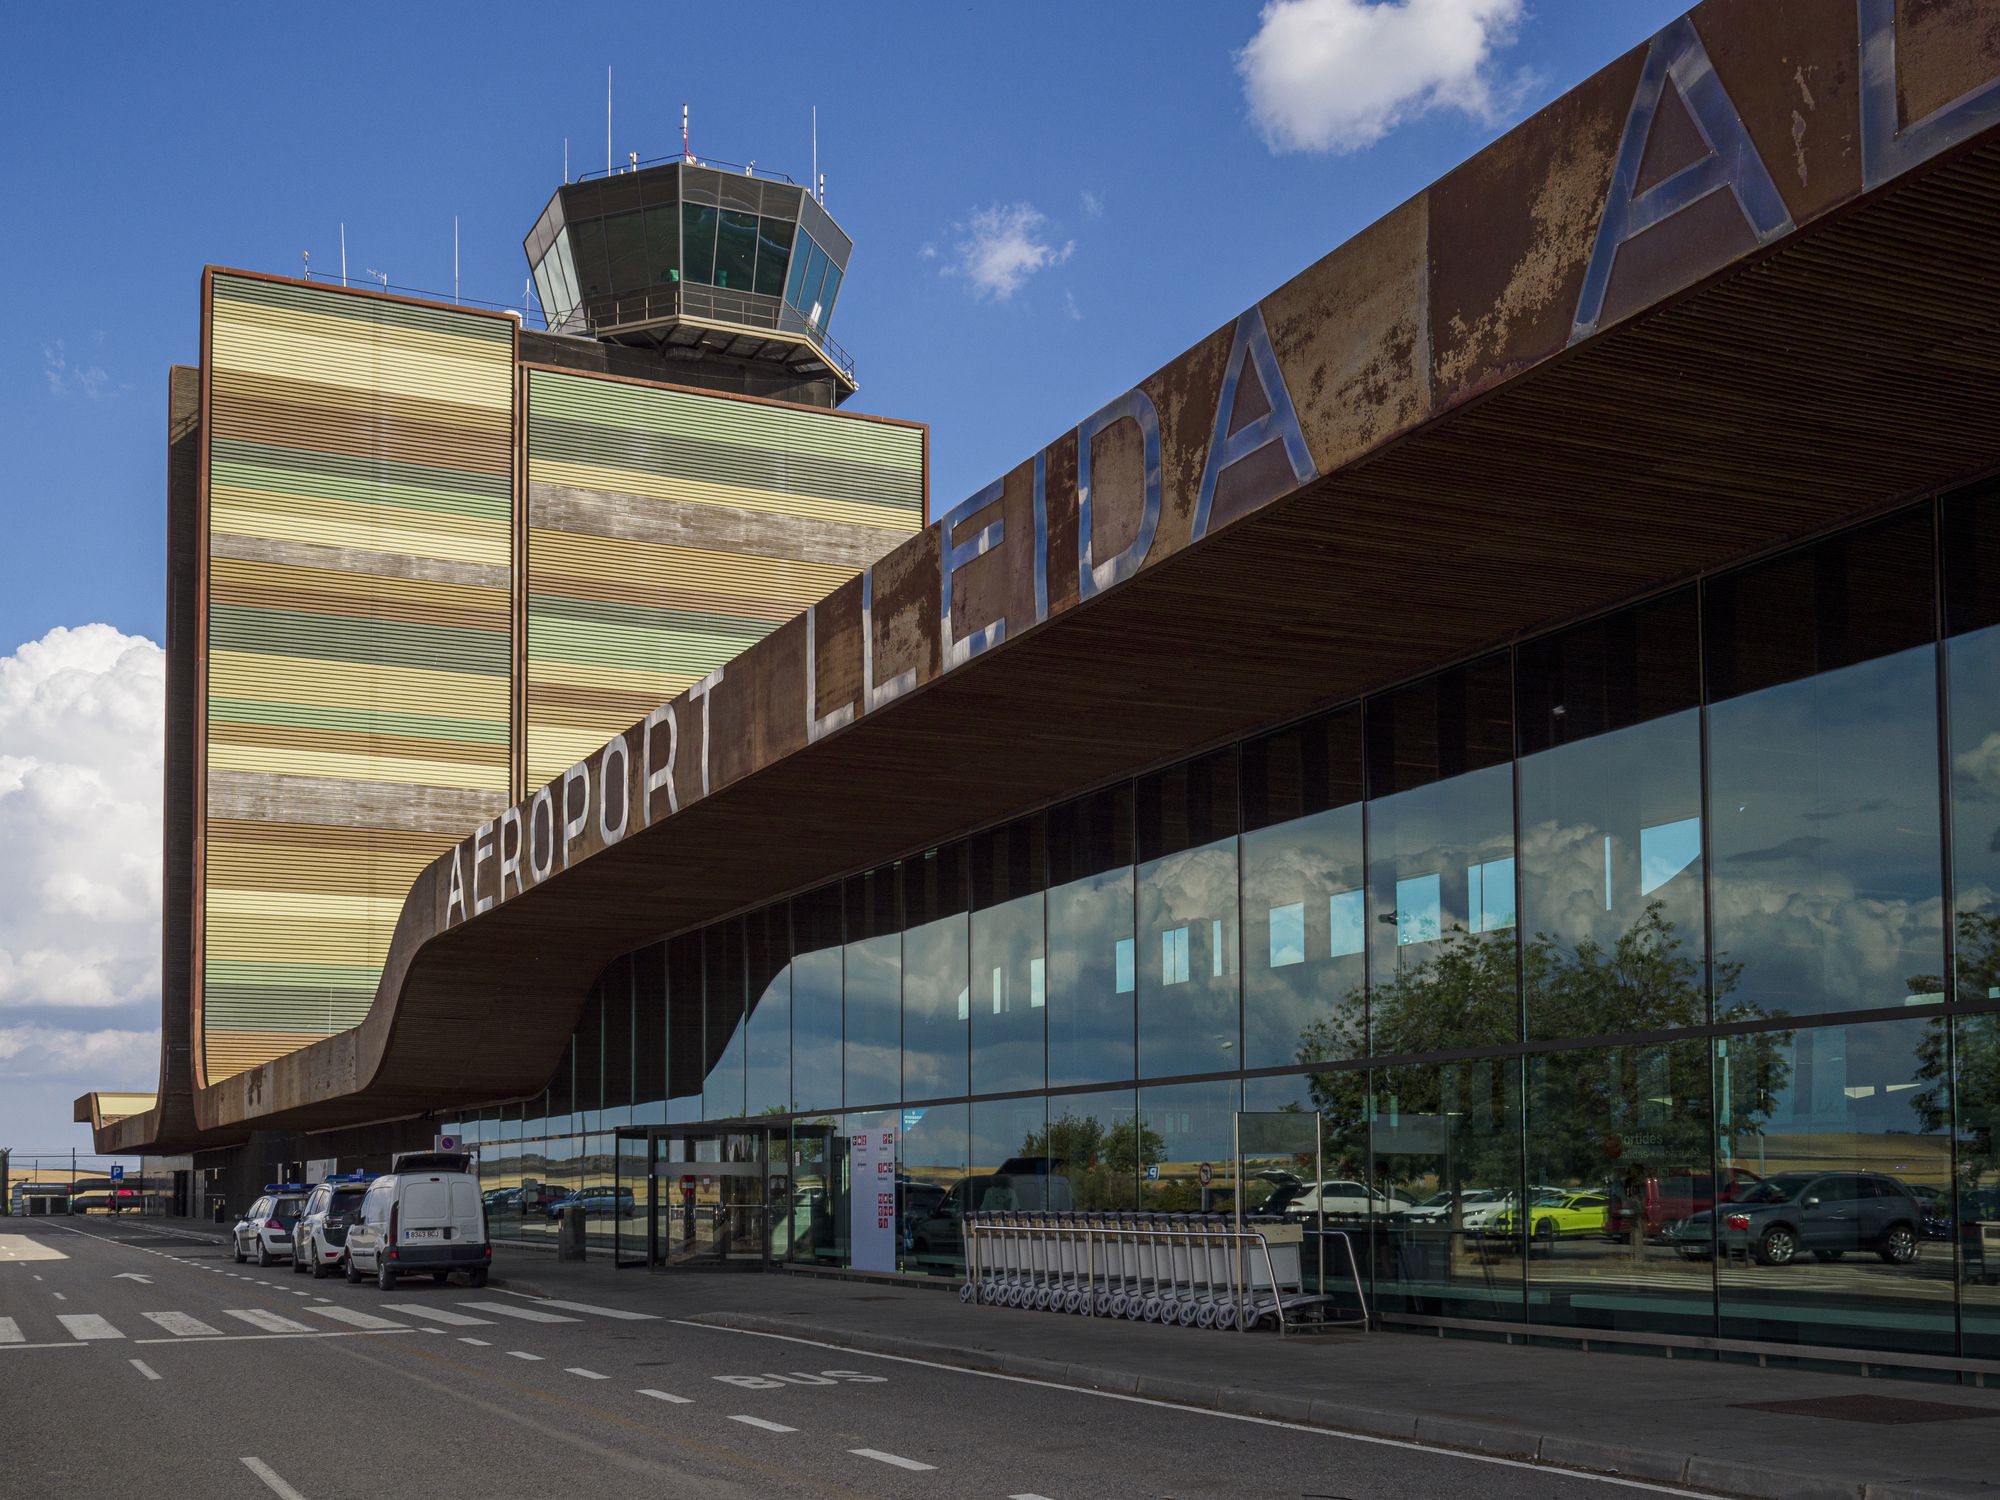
{"x": 1554, "y": 1216}
{"x": 1826, "y": 1213}
{"x": 423, "y": 1217}
{"x": 321, "y": 1238}
{"x": 504, "y": 1200}
{"x": 1345, "y": 1197}
{"x": 602, "y": 1203}
{"x": 1023, "y": 1184}
{"x": 1669, "y": 1199}
{"x": 264, "y": 1233}
{"x": 1436, "y": 1209}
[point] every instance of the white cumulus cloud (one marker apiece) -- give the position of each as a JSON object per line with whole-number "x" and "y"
{"x": 1002, "y": 246}
{"x": 80, "y": 746}
{"x": 1338, "y": 75}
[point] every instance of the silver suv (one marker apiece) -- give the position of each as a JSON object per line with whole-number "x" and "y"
{"x": 321, "y": 1238}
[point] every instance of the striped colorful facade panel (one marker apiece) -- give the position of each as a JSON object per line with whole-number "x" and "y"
{"x": 669, "y": 530}
{"x": 360, "y": 533}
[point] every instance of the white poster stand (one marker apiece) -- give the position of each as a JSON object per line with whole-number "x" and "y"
{"x": 871, "y": 1167}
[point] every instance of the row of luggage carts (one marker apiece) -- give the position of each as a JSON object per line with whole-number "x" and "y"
{"x": 1196, "y": 1270}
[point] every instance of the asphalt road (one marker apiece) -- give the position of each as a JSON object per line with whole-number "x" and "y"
{"x": 211, "y": 1380}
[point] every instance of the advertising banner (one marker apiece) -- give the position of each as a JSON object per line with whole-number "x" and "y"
{"x": 871, "y": 1166}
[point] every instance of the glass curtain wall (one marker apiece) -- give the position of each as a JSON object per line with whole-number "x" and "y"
{"x": 1642, "y": 979}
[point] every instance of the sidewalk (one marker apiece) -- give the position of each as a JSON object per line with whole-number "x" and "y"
{"x": 1681, "y": 1421}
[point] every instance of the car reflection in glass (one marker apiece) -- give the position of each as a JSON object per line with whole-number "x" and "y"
{"x": 1824, "y": 1214}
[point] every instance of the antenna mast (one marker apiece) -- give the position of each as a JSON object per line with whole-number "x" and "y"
{"x": 607, "y": 121}
{"x": 343, "y": 252}
{"x": 454, "y": 257}
{"x": 686, "y": 155}
{"x": 815, "y": 158}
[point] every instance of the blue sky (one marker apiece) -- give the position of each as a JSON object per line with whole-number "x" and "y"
{"x": 1048, "y": 202}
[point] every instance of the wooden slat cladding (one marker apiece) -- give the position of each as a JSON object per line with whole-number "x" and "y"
{"x": 357, "y": 619}
{"x": 670, "y": 530}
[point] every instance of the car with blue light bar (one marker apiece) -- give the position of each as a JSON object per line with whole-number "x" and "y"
{"x": 264, "y": 1233}
{"x": 320, "y": 1242}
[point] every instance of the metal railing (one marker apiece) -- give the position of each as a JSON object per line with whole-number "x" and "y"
{"x": 693, "y": 300}
{"x": 1194, "y": 1270}
{"x": 733, "y": 168}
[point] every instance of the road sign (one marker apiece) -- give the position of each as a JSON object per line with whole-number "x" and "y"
{"x": 447, "y": 1143}
{"x": 117, "y": 1173}
{"x": 1152, "y": 1174}
{"x": 1206, "y": 1173}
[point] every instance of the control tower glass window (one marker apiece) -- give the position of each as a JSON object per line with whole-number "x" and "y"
{"x": 815, "y": 281}
{"x": 698, "y": 242}
{"x": 774, "y": 254}
{"x": 736, "y": 249}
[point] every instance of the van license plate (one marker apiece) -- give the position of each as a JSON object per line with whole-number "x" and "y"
{"x": 420, "y": 1234}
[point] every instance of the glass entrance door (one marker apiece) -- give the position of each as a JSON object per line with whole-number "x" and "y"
{"x": 715, "y": 1195}
{"x": 632, "y": 1238}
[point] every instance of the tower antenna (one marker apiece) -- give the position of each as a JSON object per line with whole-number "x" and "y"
{"x": 454, "y": 257}
{"x": 607, "y": 121}
{"x": 815, "y": 158}
{"x": 343, "y": 252}
{"x": 565, "y": 161}
{"x": 686, "y": 155}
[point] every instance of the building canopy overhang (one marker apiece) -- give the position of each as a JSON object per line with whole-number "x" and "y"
{"x": 1736, "y": 288}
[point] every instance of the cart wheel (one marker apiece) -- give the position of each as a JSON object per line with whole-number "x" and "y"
{"x": 1150, "y": 1310}
{"x": 1204, "y": 1316}
{"x": 1075, "y": 1301}
{"x": 968, "y": 1293}
{"x": 1103, "y": 1304}
{"x": 1225, "y": 1316}
{"x": 1135, "y": 1308}
{"x": 1187, "y": 1314}
{"x": 1118, "y": 1300}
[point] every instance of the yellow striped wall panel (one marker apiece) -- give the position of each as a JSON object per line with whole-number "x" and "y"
{"x": 670, "y": 529}
{"x": 349, "y": 438}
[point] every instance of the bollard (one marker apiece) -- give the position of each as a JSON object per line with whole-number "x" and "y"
{"x": 569, "y": 1233}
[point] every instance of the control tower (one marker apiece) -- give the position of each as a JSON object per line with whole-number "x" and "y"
{"x": 698, "y": 273}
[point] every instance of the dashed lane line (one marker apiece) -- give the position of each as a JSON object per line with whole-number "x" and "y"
{"x": 586, "y": 1374}
{"x": 476, "y": 1343}
{"x": 760, "y": 1422}
{"x": 271, "y": 1480}
{"x": 590, "y": 1307}
{"x": 891, "y": 1458}
{"x": 671, "y": 1399}
{"x": 181, "y": 1324}
{"x": 144, "y": 1369}
{"x": 437, "y": 1315}
{"x": 88, "y": 1326}
{"x": 270, "y": 1322}
{"x": 523, "y": 1354}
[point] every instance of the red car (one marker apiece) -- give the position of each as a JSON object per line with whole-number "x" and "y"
{"x": 1669, "y": 1199}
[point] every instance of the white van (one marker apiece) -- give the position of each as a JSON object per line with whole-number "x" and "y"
{"x": 425, "y": 1216}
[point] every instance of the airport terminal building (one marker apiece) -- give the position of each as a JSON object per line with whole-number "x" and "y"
{"x": 1518, "y": 707}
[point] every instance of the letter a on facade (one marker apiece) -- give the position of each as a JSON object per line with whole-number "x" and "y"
{"x": 1732, "y": 162}
{"x": 1251, "y": 418}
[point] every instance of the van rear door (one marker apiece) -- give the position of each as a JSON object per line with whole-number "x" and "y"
{"x": 425, "y": 1210}
{"x": 468, "y": 1213}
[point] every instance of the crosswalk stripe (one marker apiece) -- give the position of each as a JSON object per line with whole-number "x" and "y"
{"x": 270, "y": 1322}
{"x": 10, "y": 1332}
{"x": 180, "y": 1323}
{"x": 601, "y": 1312}
{"x": 357, "y": 1318}
{"x": 87, "y": 1326}
{"x": 525, "y": 1314}
{"x": 437, "y": 1315}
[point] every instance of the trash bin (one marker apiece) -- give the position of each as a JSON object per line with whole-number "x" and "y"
{"x": 569, "y": 1232}
{"x": 221, "y": 1212}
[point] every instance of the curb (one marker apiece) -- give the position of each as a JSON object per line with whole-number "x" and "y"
{"x": 1553, "y": 1450}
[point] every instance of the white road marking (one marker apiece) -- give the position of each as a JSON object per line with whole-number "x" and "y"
{"x": 180, "y": 1323}
{"x": 525, "y": 1314}
{"x": 760, "y": 1422}
{"x": 71, "y": 1345}
{"x": 59, "y": 1296}
{"x": 356, "y": 1318}
{"x": 270, "y": 1322}
{"x": 675, "y": 1400}
{"x": 523, "y": 1354}
{"x": 272, "y": 1482}
{"x": 87, "y": 1326}
{"x": 889, "y": 1458}
{"x": 10, "y": 1332}
{"x": 304, "y": 1333}
{"x": 590, "y": 1307}
{"x": 476, "y": 1343}
{"x": 1027, "y": 1497}
{"x": 437, "y": 1315}
{"x": 430, "y": 1330}
{"x": 586, "y": 1374}
{"x": 1333, "y": 1435}
{"x": 144, "y": 1369}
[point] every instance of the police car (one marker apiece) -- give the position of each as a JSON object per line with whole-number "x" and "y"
{"x": 321, "y": 1240}
{"x": 264, "y": 1233}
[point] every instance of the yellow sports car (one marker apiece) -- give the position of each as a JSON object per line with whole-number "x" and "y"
{"x": 1554, "y": 1216}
